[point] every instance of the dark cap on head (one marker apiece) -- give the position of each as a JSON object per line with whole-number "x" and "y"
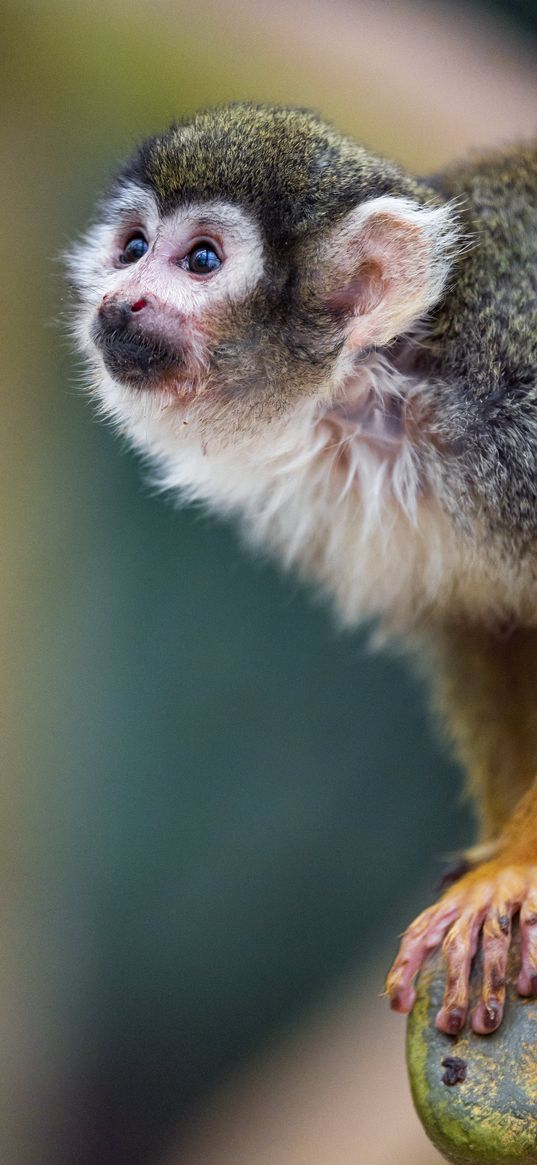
{"x": 286, "y": 165}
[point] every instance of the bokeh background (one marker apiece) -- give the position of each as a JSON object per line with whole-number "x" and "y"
{"x": 218, "y": 812}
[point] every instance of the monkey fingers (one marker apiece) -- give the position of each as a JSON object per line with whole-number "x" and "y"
{"x": 423, "y": 936}
{"x": 460, "y": 945}
{"x": 496, "y": 940}
{"x": 485, "y": 902}
{"x": 527, "y": 979}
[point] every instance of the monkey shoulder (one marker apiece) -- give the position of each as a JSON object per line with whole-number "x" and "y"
{"x": 485, "y": 328}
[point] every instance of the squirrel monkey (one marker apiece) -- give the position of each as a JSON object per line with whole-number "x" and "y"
{"x": 300, "y": 333}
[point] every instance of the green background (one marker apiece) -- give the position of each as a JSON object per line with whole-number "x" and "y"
{"x": 217, "y": 806}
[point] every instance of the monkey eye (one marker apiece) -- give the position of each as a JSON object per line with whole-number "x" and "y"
{"x": 134, "y": 248}
{"x": 203, "y": 259}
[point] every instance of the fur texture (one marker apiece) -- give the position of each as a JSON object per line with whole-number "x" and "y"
{"x": 357, "y": 382}
{"x": 363, "y": 421}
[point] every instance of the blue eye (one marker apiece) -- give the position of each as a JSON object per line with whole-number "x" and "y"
{"x": 203, "y": 260}
{"x": 134, "y": 249}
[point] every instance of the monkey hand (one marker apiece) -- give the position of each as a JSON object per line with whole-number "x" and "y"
{"x": 477, "y": 909}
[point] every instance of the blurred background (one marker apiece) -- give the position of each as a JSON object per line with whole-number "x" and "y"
{"x": 218, "y": 812}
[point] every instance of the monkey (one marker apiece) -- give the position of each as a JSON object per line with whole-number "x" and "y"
{"x": 301, "y": 334}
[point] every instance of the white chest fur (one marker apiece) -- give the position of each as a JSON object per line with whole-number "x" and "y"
{"x": 336, "y": 492}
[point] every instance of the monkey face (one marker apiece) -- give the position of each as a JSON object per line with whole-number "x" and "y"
{"x": 159, "y": 294}
{"x": 243, "y": 264}
{"x": 189, "y": 312}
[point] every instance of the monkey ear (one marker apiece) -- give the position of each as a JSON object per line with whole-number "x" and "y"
{"x": 386, "y": 265}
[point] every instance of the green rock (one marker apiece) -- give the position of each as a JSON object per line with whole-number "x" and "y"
{"x": 490, "y": 1115}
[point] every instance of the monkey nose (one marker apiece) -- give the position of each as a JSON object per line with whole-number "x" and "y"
{"x": 117, "y": 312}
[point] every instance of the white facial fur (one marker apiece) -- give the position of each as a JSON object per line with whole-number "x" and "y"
{"x": 183, "y": 299}
{"x": 337, "y": 485}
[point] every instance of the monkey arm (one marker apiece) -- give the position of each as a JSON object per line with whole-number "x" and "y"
{"x": 486, "y": 694}
{"x": 487, "y": 691}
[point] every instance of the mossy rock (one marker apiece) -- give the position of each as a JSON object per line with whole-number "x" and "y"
{"x": 489, "y": 1115}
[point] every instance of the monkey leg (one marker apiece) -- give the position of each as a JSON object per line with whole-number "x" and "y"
{"x": 489, "y": 695}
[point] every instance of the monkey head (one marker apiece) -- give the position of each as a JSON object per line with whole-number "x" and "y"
{"x": 242, "y": 263}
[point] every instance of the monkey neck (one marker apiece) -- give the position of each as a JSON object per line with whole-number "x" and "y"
{"x": 380, "y": 403}
{"x": 367, "y": 438}
{"x": 348, "y": 490}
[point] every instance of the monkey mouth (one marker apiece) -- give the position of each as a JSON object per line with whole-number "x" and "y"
{"x": 134, "y": 358}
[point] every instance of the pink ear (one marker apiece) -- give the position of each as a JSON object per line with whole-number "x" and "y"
{"x": 362, "y": 292}
{"x": 388, "y": 262}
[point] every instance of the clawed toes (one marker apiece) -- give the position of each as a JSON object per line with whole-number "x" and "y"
{"x": 451, "y": 1020}
{"x": 487, "y": 1017}
{"x": 402, "y": 999}
{"x": 479, "y": 913}
{"x": 422, "y": 937}
{"x": 460, "y": 945}
{"x": 527, "y": 979}
{"x": 496, "y": 941}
